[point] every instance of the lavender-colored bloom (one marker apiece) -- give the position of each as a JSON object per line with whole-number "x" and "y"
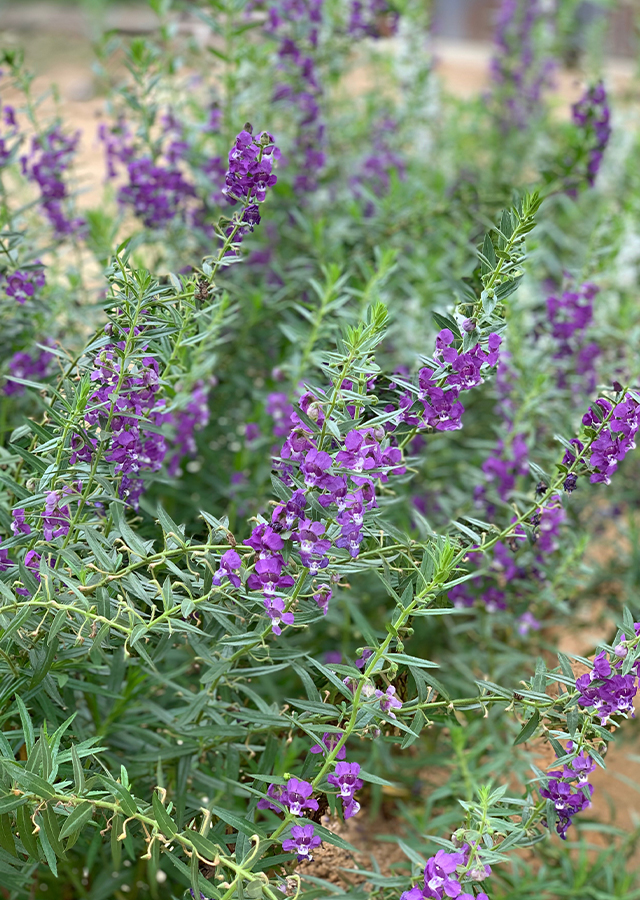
{"x": 592, "y": 114}
{"x": 570, "y": 790}
{"x": 155, "y": 193}
{"x": 19, "y": 524}
{"x": 439, "y": 878}
{"x": 377, "y": 168}
{"x": 346, "y": 778}
{"x": 33, "y": 366}
{"x": 296, "y": 795}
{"x": 605, "y": 690}
{"x": 132, "y": 404}
{"x": 330, "y": 739}
{"x": 186, "y": 421}
{"x": 23, "y": 284}
{"x": 302, "y": 841}
{"x": 51, "y": 155}
{"x": 299, "y": 796}
{"x": 281, "y": 411}
{"x": 322, "y": 596}
{"x": 518, "y": 72}
{"x": 526, "y": 623}
{"x": 6, "y": 564}
{"x": 55, "y": 518}
{"x": 230, "y": 564}
{"x": 388, "y": 701}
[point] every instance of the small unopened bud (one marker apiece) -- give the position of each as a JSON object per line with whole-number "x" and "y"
{"x": 469, "y": 326}
{"x": 620, "y": 651}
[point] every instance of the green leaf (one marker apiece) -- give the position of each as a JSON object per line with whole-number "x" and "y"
{"x": 7, "y": 841}
{"x": 165, "y": 822}
{"x": 33, "y": 783}
{"x": 25, "y": 830}
{"x": 78, "y": 772}
{"x": 205, "y": 847}
{"x": 528, "y": 728}
{"x": 77, "y": 820}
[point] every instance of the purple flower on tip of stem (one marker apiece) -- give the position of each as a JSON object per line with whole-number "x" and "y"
{"x": 302, "y": 841}
{"x": 322, "y": 596}
{"x": 330, "y": 740}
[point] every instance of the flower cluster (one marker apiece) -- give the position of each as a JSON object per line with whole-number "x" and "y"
{"x": 612, "y": 443}
{"x": 570, "y": 314}
{"x": 9, "y": 119}
{"x": 439, "y": 387}
{"x": 249, "y": 175}
{"x": 570, "y": 790}
{"x": 128, "y": 404}
{"x": 23, "y": 284}
{"x": 269, "y": 575}
{"x": 518, "y": 71}
{"x": 50, "y": 156}
{"x": 441, "y": 878}
{"x": 592, "y": 114}
{"x": 345, "y": 778}
{"x": 296, "y": 24}
{"x": 186, "y": 421}
{"x": 383, "y": 160}
{"x": 606, "y": 690}
{"x": 156, "y": 192}
{"x": 34, "y": 366}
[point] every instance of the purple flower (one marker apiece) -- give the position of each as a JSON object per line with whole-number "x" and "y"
{"x": 296, "y": 795}
{"x": 23, "y": 284}
{"x": 186, "y": 421}
{"x": 322, "y": 596}
{"x": 19, "y": 524}
{"x": 605, "y": 690}
{"x": 55, "y": 518}
{"x": 388, "y": 701}
{"x": 330, "y": 739}
{"x": 32, "y": 366}
{"x": 519, "y": 73}
{"x": 230, "y": 564}
{"x": 569, "y": 798}
{"x": 155, "y": 193}
{"x": 250, "y": 167}
{"x": 312, "y": 546}
{"x": 50, "y": 156}
{"x": 345, "y": 777}
{"x": 302, "y": 841}
{"x": 591, "y": 113}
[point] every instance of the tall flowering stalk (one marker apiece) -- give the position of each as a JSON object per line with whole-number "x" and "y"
{"x": 519, "y": 71}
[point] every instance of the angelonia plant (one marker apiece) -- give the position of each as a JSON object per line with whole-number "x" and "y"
{"x": 313, "y": 432}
